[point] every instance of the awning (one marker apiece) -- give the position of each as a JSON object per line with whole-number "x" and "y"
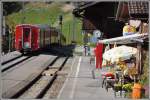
{"x": 126, "y": 39}
{"x": 120, "y": 53}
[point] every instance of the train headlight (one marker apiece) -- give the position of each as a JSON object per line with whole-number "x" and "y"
{"x": 26, "y": 44}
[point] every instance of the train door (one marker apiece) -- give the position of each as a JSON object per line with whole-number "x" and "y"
{"x": 41, "y": 38}
{"x": 33, "y": 39}
{"x": 26, "y": 43}
{"x": 50, "y": 36}
{"x": 44, "y": 38}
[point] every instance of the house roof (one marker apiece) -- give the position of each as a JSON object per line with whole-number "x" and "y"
{"x": 138, "y": 7}
{"x": 132, "y": 9}
{"x": 84, "y": 5}
{"x": 95, "y": 7}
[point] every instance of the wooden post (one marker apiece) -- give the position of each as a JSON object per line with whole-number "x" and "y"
{"x": 138, "y": 58}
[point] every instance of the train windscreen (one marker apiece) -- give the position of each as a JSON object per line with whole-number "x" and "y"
{"x": 26, "y": 32}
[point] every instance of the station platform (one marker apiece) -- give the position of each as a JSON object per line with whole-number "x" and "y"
{"x": 80, "y": 83}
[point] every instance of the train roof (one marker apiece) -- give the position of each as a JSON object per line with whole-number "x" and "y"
{"x": 27, "y": 25}
{"x": 41, "y": 26}
{"x": 45, "y": 26}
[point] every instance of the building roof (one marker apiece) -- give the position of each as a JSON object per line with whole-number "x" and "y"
{"x": 84, "y": 5}
{"x": 126, "y": 39}
{"x": 95, "y": 7}
{"x": 138, "y": 7}
{"x": 133, "y": 10}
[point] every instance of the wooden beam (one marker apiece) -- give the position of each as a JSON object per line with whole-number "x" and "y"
{"x": 138, "y": 59}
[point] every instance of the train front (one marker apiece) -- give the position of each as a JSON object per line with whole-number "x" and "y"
{"x": 23, "y": 38}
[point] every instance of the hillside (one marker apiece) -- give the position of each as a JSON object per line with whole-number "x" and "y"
{"x": 44, "y": 13}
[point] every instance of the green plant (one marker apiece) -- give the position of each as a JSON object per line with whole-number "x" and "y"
{"x": 117, "y": 86}
{"x": 128, "y": 94}
{"x": 127, "y": 87}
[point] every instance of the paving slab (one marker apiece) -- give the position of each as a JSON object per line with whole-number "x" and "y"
{"x": 81, "y": 85}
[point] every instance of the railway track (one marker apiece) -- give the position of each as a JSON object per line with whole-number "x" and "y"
{"x": 13, "y": 62}
{"x": 25, "y": 84}
{"x": 37, "y": 84}
{"x": 5, "y": 62}
{"x": 56, "y": 89}
{"x": 41, "y": 86}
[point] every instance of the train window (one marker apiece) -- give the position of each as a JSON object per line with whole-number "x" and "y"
{"x": 26, "y": 32}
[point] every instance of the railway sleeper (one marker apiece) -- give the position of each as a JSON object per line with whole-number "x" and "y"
{"x": 54, "y": 67}
{"x": 50, "y": 72}
{"x": 18, "y": 89}
{"x": 62, "y": 73}
{"x": 21, "y": 87}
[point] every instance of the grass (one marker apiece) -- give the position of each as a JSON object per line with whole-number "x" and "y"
{"x": 42, "y": 13}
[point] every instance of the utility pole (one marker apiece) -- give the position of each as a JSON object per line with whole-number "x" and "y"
{"x": 1, "y": 15}
{"x": 74, "y": 21}
{"x": 60, "y": 23}
{"x": 23, "y": 17}
{"x": 1, "y": 31}
{"x": 2, "y": 27}
{"x": 69, "y": 33}
{"x": 9, "y": 36}
{"x": 74, "y": 25}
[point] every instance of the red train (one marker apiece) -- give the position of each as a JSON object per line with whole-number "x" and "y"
{"x": 34, "y": 37}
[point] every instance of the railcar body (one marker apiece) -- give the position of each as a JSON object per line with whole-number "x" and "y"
{"x": 33, "y": 37}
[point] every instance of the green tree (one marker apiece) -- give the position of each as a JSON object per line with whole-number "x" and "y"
{"x": 10, "y": 7}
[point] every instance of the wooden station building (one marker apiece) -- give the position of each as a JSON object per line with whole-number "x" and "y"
{"x": 109, "y": 17}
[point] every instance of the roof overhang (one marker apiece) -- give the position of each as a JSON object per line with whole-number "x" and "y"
{"x": 132, "y": 10}
{"x": 135, "y": 38}
{"x": 87, "y": 5}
